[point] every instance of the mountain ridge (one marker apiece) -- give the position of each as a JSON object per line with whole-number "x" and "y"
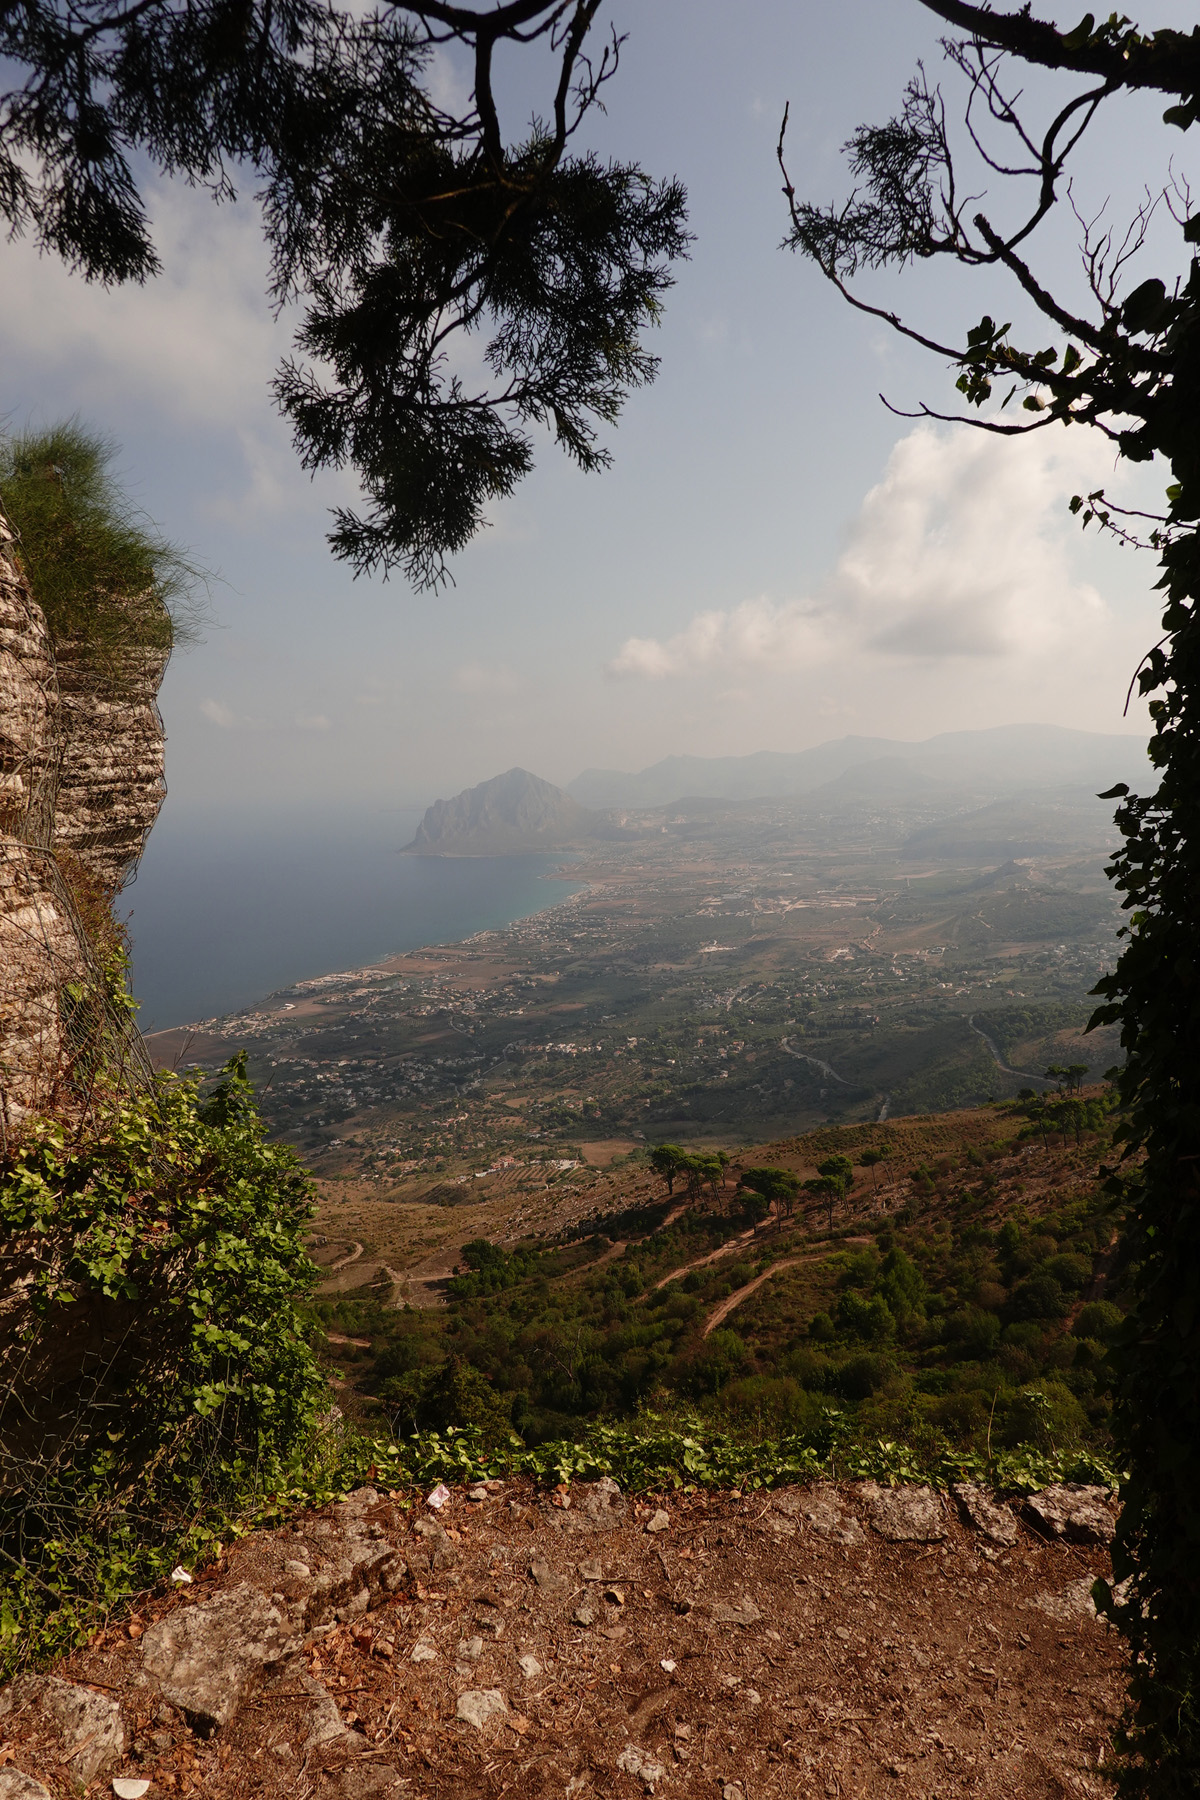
{"x": 1010, "y": 756}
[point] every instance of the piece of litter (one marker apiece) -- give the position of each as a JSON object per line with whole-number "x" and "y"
{"x": 180, "y": 1574}
{"x": 668, "y": 1664}
{"x": 439, "y": 1496}
{"x": 125, "y": 1787}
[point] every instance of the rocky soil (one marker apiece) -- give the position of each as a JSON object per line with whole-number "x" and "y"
{"x": 854, "y": 1641}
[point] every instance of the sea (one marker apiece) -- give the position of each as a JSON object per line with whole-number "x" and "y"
{"x": 223, "y": 912}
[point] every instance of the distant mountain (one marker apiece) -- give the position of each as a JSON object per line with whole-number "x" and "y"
{"x": 1004, "y": 759}
{"x": 512, "y": 812}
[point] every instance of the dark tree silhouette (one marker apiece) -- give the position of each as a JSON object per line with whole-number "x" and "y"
{"x": 405, "y": 229}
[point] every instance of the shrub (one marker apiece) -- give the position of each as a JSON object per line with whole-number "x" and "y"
{"x": 722, "y": 1356}
{"x": 821, "y": 1327}
{"x": 1071, "y": 1272}
{"x": 104, "y": 580}
{"x": 963, "y": 1417}
{"x": 860, "y": 1377}
{"x": 1098, "y": 1319}
{"x": 775, "y": 1402}
{"x": 901, "y": 1284}
{"x": 863, "y": 1318}
{"x": 1046, "y": 1414}
{"x": 974, "y": 1333}
{"x": 1038, "y": 1297}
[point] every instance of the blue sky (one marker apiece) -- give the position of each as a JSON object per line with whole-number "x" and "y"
{"x": 774, "y": 559}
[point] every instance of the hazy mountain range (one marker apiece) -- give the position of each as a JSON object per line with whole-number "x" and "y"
{"x": 1006, "y": 758}
{"x": 519, "y": 812}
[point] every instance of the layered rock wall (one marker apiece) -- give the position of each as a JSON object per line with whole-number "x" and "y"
{"x": 81, "y": 781}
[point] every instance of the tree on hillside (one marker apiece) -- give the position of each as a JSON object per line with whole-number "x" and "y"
{"x": 775, "y": 1187}
{"x": 870, "y": 1159}
{"x": 402, "y": 226}
{"x": 1127, "y": 364}
{"x": 665, "y": 1160}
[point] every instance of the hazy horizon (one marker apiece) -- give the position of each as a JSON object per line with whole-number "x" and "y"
{"x": 774, "y": 559}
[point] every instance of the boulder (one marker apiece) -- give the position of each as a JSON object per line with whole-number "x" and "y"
{"x": 205, "y": 1658}
{"x": 822, "y": 1511}
{"x": 15, "y": 1785}
{"x": 88, "y": 1724}
{"x": 904, "y": 1515}
{"x": 546, "y": 1578}
{"x": 641, "y": 1765}
{"x": 1081, "y": 1514}
{"x": 598, "y": 1506}
{"x": 742, "y": 1611}
{"x": 981, "y": 1510}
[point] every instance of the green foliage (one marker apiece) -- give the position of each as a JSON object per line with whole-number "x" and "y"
{"x": 105, "y": 580}
{"x": 492, "y": 1268}
{"x": 773, "y": 1186}
{"x": 163, "y": 1357}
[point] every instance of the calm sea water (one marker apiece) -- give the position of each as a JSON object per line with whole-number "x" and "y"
{"x": 223, "y": 913}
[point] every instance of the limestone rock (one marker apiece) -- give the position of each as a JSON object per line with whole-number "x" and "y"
{"x": 822, "y": 1510}
{"x": 547, "y": 1580}
{"x": 981, "y": 1510}
{"x": 88, "y": 1724}
{"x": 478, "y": 1705}
{"x": 598, "y": 1506}
{"x": 641, "y": 1765}
{"x": 359, "y": 1570}
{"x": 15, "y": 1785}
{"x": 660, "y": 1522}
{"x": 1067, "y": 1605}
{"x": 739, "y": 1612}
{"x": 111, "y": 783}
{"x": 205, "y": 1658}
{"x": 904, "y": 1515}
{"x": 324, "y": 1720}
{"x": 1083, "y": 1515}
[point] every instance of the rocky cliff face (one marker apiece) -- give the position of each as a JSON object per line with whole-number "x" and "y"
{"x": 81, "y": 781}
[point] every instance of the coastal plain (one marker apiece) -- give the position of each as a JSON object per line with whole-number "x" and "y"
{"x": 732, "y": 974}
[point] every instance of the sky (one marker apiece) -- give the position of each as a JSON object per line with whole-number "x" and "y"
{"x": 774, "y": 558}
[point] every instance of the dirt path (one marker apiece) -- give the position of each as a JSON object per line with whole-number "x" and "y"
{"x": 703, "y": 1261}
{"x": 794, "y": 1644}
{"x": 344, "y": 1262}
{"x": 722, "y": 1312}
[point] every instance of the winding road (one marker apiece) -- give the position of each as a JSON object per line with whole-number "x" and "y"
{"x": 993, "y": 1051}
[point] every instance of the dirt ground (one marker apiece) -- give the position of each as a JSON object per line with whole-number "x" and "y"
{"x": 730, "y": 1645}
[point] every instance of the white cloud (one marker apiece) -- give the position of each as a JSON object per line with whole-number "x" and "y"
{"x": 217, "y": 713}
{"x": 312, "y": 722}
{"x": 962, "y": 551}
